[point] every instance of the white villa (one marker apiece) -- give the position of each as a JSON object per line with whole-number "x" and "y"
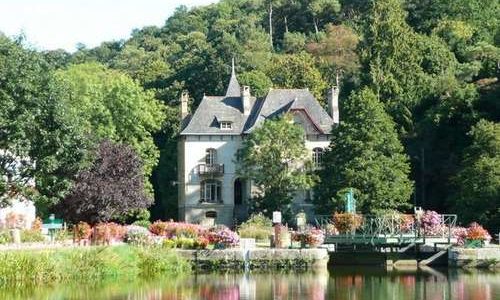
{"x": 209, "y": 187}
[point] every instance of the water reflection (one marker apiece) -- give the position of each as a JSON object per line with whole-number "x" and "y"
{"x": 339, "y": 283}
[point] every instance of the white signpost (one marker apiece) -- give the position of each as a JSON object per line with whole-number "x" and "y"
{"x": 277, "y": 217}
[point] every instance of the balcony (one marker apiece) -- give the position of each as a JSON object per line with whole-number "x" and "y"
{"x": 211, "y": 170}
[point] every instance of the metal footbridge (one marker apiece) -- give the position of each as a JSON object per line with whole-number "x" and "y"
{"x": 391, "y": 231}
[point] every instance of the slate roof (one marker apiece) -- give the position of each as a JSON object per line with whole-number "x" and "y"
{"x": 214, "y": 109}
{"x": 279, "y": 101}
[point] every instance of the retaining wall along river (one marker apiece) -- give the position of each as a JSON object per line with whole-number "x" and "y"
{"x": 239, "y": 259}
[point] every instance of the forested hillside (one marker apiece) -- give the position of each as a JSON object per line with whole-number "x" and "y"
{"x": 433, "y": 66}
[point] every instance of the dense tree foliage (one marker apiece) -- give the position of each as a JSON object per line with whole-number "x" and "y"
{"x": 477, "y": 185}
{"x": 365, "y": 154}
{"x": 38, "y": 141}
{"x": 434, "y": 66}
{"x": 110, "y": 105}
{"x": 111, "y": 188}
{"x": 275, "y": 159}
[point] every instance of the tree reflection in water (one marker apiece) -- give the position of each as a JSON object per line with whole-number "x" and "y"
{"x": 350, "y": 283}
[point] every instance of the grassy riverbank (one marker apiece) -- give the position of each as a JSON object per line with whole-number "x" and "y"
{"x": 88, "y": 264}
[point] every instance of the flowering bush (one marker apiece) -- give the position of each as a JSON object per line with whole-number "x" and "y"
{"x": 223, "y": 237}
{"x": 431, "y": 223}
{"x": 312, "y": 237}
{"x": 406, "y": 222}
{"x": 347, "y": 222}
{"x": 477, "y": 232}
{"x": 460, "y": 233}
{"x": 138, "y": 235}
{"x": 108, "y": 232}
{"x": 82, "y": 231}
{"x": 176, "y": 229}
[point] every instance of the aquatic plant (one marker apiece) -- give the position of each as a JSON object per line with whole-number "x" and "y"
{"x": 87, "y": 264}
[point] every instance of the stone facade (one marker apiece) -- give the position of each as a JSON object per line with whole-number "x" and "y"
{"x": 210, "y": 190}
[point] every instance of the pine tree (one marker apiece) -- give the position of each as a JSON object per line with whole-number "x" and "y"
{"x": 365, "y": 154}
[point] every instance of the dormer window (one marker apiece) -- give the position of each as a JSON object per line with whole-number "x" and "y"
{"x": 226, "y": 125}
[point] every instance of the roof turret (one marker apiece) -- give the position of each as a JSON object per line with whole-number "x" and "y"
{"x": 233, "y": 89}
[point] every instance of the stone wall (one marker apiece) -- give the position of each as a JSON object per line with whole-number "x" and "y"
{"x": 488, "y": 257}
{"x": 237, "y": 259}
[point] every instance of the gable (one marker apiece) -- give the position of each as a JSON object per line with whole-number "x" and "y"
{"x": 301, "y": 118}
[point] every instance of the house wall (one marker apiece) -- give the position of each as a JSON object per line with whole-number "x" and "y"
{"x": 192, "y": 151}
{"x": 191, "y": 154}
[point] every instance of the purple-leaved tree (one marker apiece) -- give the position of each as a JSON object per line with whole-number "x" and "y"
{"x": 111, "y": 187}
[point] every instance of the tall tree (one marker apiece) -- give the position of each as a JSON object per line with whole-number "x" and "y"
{"x": 38, "y": 139}
{"x": 275, "y": 158}
{"x": 365, "y": 154}
{"x": 110, "y": 105}
{"x": 338, "y": 50}
{"x": 297, "y": 71}
{"x": 111, "y": 188}
{"x": 476, "y": 187}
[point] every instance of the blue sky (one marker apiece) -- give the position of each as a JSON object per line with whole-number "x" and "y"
{"x": 54, "y": 24}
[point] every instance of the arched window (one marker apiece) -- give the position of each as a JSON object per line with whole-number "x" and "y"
{"x": 317, "y": 157}
{"x": 210, "y": 156}
{"x": 211, "y": 191}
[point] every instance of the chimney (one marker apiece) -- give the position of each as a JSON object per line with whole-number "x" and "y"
{"x": 333, "y": 104}
{"x": 184, "y": 106}
{"x": 245, "y": 99}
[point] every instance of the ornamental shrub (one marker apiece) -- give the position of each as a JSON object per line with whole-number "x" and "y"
{"x": 257, "y": 226}
{"x": 138, "y": 236}
{"x": 176, "y": 229}
{"x": 223, "y": 237}
{"x": 477, "y": 232}
{"x": 311, "y": 236}
{"x": 431, "y": 223}
{"x": 347, "y": 222}
{"x": 82, "y": 231}
{"x": 460, "y": 233}
{"x": 104, "y": 233}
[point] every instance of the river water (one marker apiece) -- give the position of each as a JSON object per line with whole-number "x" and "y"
{"x": 349, "y": 283}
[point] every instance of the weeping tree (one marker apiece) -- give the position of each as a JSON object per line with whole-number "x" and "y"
{"x": 111, "y": 188}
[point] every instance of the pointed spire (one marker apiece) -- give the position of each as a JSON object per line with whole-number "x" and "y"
{"x": 233, "y": 89}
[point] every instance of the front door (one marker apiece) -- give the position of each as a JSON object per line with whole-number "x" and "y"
{"x": 240, "y": 206}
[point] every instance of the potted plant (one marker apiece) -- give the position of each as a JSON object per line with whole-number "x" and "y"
{"x": 347, "y": 223}
{"x": 477, "y": 236}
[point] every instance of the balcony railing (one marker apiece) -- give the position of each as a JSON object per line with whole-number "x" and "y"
{"x": 213, "y": 169}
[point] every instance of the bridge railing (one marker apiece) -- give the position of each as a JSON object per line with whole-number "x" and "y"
{"x": 393, "y": 225}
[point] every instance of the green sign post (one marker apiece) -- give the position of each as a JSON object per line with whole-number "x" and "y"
{"x": 350, "y": 202}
